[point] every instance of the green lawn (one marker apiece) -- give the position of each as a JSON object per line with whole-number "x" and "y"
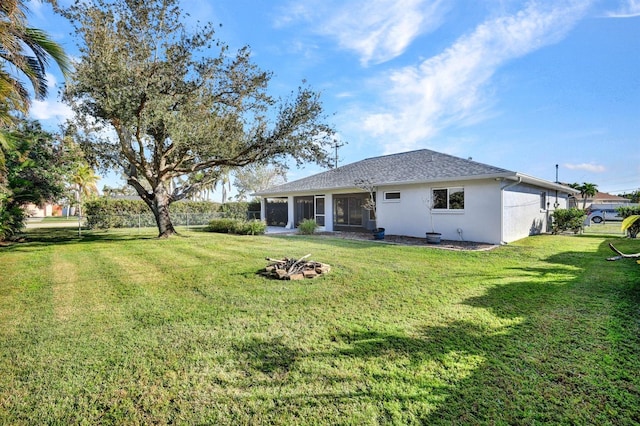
{"x": 59, "y": 219}
{"x": 610, "y": 228}
{"x": 121, "y": 328}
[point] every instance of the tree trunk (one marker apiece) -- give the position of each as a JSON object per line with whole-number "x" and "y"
{"x": 158, "y": 201}
{"x": 160, "y": 208}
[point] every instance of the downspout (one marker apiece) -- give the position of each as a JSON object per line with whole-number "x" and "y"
{"x": 519, "y": 181}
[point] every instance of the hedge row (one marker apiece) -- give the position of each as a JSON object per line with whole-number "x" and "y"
{"x": 239, "y": 209}
{"x": 104, "y": 212}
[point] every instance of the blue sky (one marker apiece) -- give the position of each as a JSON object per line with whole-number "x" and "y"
{"x": 522, "y": 85}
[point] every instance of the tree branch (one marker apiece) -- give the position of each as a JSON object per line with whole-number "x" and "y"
{"x": 622, "y": 255}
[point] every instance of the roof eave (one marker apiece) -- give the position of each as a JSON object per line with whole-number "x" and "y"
{"x": 546, "y": 184}
{"x": 297, "y": 191}
{"x": 508, "y": 175}
{"x": 504, "y": 175}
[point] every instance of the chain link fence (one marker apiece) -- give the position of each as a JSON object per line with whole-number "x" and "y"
{"x": 146, "y": 220}
{"x": 611, "y": 228}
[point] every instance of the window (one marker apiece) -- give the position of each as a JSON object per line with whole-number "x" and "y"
{"x": 440, "y": 198}
{"x": 392, "y": 196}
{"x": 355, "y": 211}
{"x": 448, "y": 199}
{"x": 543, "y": 201}
{"x": 320, "y": 210}
{"x": 303, "y": 209}
{"x": 347, "y": 211}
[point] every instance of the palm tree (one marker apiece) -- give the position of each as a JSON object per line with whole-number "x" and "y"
{"x": 27, "y": 50}
{"x": 586, "y": 190}
{"x": 85, "y": 181}
{"x": 223, "y": 179}
{"x": 225, "y": 183}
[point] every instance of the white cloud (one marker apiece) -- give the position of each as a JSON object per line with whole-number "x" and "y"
{"x": 380, "y": 30}
{"x": 376, "y": 30}
{"x": 628, "y": 9}
{"x": 50, "y": 110}
{"x": 343, "y": 95}
{"x": 298, "y": 11}
{"x": 52, "y": 81}
{"x": 589, "y": 167}
{"x": 36, "y": 8}
{"x": 450, "y": 88}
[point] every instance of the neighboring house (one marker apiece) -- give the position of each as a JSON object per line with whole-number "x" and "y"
{"x": 599, "y": 198}
{"x": 44, "y": 210}
{"x": 475, "y": 201}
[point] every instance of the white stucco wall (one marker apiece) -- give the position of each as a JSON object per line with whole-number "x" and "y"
{"x": 523, "y": 215}
{"x": 479, "y": 221}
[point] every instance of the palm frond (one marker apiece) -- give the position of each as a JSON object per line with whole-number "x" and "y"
{"x": 44, "y": 47}
{"x": 13, "y": 97}
{"x": 29, "y": 50}
{"x": 12, "y": 9}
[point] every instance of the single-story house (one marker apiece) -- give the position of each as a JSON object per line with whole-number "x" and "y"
{"x": 600, "y": 198}
{"x": 469, "y": 200}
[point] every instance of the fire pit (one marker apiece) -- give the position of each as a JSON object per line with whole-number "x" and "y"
{"x": 294, "y": 269}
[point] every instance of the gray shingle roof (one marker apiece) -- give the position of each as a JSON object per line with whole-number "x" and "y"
{"x": 408, "y": 167}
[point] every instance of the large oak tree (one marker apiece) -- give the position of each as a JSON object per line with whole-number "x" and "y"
{"x": 163, "y": 101}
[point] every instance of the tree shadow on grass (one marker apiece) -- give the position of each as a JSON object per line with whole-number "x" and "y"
{"x": 317, "y": 379}
{"x": 387, "y": 370}
{"x": 539, "y": 360}
{"x": 558, "y": 351}
{"x": 392, "y": 364}
{"x": 271, "y": 357}
{"x": 42, "y": 237}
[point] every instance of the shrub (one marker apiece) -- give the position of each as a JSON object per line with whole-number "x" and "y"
{"x": 307, "y": 227}
{"x": 236, "y": 226}
{"x": 253, "y": 227}
{"x": 634, "y": 229}
{"x": 12, "y": 219}
{"x": 225, "y": 225}
{"x": 568, "y": 219}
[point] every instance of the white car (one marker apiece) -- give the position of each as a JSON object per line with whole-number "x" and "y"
{"x": 598, "y": 215}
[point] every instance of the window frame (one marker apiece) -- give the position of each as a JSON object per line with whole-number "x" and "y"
{"x": 350, "y": 207}
{"x": 543, "y": 201}
{"x": 449, "y": 191}
{"x": 392, "y": 200}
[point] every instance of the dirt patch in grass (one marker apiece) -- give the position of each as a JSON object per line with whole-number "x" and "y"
{"x": 412, "y": 241}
